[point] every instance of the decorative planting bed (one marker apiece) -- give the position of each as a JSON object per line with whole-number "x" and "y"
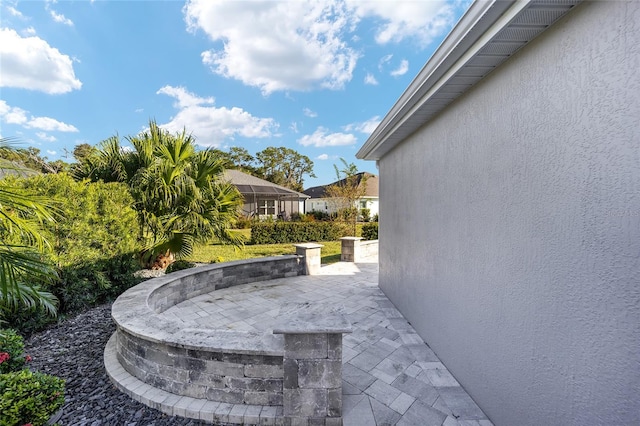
{"x": 163, "y": 362}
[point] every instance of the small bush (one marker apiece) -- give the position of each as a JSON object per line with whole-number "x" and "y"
{"x": 296, "y": 232}
{"x": 243, "y": 222}
{"x": 179, "y": 265}
{"x": 11, "y": 351}
{"x": 375, "y": 218}
{"x": 29, "y": 398}
{"x": 320, "y": 215}
{"x": 370, "y": 231}
{"x": 365, "y": 215}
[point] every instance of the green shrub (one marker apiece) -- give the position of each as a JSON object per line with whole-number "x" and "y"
{"x": 97, "y": 220}
{"x": 179, "y": 265}
{"x": 375, "y": 218}
{"x": 365, "y": 215}
{"x": 94, "y": 242}
{"x": 243, "y": 222}
{"x": 29, "y": 397}
{"x": 370, "y": 231}
{"x": 296, "y": 232}
{"x": 320, "y": 215}
{"x": 11, "y": 351}
{"x": 25, "y": 397}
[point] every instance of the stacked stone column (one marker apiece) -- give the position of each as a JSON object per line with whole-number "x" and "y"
{"x": 312, "y": 386}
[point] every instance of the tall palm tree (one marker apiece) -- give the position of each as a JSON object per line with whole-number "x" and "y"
{"x": 22, "y": 267}
{"x": 178, "y": 192}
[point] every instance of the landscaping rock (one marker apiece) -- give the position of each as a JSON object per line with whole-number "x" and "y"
{"x": 73, "y": 350}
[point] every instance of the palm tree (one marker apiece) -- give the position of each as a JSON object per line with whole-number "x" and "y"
{"x": 22, "y": 267}
{"x": 177, "y": 190}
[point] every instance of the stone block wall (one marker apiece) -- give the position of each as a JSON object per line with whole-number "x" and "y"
{"x": 355, "y": 249}
{"x": 232, "y": 378}
{"x": 297, "y": 369}
{"x": 188, "y": 283}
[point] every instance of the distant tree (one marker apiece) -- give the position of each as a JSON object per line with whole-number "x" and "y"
{"x": 284, "y": 166}
{"x": 241, "y": 159}
{"x": 31, "y": 159}
{"x": 83, "y": 151}
{"x": 345, "y": 193}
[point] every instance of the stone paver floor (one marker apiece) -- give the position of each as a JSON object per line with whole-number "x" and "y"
{"x": 390, "y": 376}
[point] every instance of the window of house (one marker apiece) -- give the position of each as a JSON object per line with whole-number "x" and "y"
{"x": 267, "y": 207}
{"x": 363, "y": 204}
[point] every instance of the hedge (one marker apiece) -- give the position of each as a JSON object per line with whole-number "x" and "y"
{"x": 297, "y": 232}
{"x": 370, "y": 231}
{"x": 94, "y": 244}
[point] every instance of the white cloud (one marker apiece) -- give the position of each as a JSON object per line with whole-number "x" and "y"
{"x": 322, "y": 157}
{"x": 60, "y": 18}
{"x": 47, "y": 138}
{"x": 139, "y": 110}
{"x": 184, "y": 98}
{"x": 14, "y": 12}
{"x": 277, "y": 46}
{"x": 294, "y": 127}
{"x": 309, "y": 113}
{"x": 211, "y": 125}
{"x": 30, "y": 63}
{"x": 370, "y": 79}
{"x": 420, "y": 20}
{"x": 51, "y": 152}
{"x": 16, "y": 115}
{"x": 383, "y": 61}
{"x": 366, "y": 127}
{"x": 29, "y": 31}
{"x": 49, "y": 124}
{"x": 12, "y": 115}
{"x": 402, "y": 69}
{"x": 321, "y": 138}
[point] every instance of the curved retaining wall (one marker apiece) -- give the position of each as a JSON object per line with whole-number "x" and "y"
{"x": 208, "y": 363}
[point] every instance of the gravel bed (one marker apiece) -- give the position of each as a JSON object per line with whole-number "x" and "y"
{"x": 73, "y": 350}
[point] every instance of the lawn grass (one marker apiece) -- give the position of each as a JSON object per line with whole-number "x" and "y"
{"x": 216, "y": 252}
{"x": 225, "y": 253}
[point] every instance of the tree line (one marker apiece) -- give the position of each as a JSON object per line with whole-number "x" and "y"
{"x": 280, "y": 165}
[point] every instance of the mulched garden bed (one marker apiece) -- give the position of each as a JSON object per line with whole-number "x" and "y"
{"x": 73, "y": 350}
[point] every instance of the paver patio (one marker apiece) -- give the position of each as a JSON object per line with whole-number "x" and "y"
{"x": 390, "y": 376}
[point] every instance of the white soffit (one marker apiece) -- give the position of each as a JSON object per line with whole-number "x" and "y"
{"x": 487, "y": 35}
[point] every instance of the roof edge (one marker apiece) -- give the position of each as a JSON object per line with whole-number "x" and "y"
{"x": 482, "y": 21}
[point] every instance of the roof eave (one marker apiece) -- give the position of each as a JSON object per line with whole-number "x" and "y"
{"x": 481, "y": 24}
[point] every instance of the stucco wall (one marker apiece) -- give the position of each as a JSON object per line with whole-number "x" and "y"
{"x": 519, "y": 260}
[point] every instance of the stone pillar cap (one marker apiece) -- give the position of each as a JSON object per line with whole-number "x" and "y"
{"x": 308, "y": 245}
{"x": 312, "y": 318}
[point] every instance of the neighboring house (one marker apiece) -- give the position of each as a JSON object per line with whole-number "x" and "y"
{"x": 263, "y": 199}
{"x": 320, "y": 201}
{"x": 517, "y": 147}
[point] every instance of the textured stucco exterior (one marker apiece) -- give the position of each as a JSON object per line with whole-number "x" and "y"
{"x": 519, "y": 263}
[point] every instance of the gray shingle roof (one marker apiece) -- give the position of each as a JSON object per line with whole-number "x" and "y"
{"x": 248, "y": 184}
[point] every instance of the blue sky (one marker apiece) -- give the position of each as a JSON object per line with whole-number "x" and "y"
{"x": 315, "y": 76}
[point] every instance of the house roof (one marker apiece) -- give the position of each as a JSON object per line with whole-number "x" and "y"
{"x": 248, "y": 184}
{"x": 15, "y": 168}
{"x": 486, "y": 36}
{"x": 372, "y": 186}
